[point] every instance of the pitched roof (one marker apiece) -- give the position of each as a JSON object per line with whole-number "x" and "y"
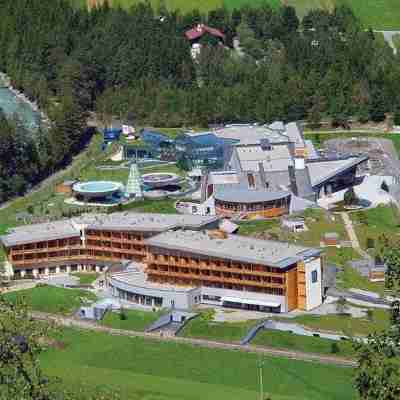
{"x": 201, "y": 29}
{"x": 322, "y": 171}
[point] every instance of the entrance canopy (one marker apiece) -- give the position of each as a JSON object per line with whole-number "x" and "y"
{"x": 251, "y": 302}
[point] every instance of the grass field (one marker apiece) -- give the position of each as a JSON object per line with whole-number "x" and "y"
{"x": 141, "y": 369}
{"x": 136, "y": 320}
{"x": 347, "y": 325}
{"x": 221, "y": 331}
{"x": 378, "y": 14}
{"x": 307, "y": 344}
{"x": 375, "y": 222}
{"x": 86, "y": 278}
{"x": 51, "y": 299}
{"x": 249, "y": 228}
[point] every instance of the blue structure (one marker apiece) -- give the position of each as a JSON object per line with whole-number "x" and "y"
{"x": 155, "y": 139}
{"x": 204, "y": 148}
{"x": 111, "y": 134}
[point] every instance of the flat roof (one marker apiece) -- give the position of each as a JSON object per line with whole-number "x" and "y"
{"x": 26, "y": 234}
{"x": 234, "y": 247}
{"x": 278, "y": 158}
{"x": 128, "y": 221}
{"x": 148, "y": 222}
{"x": 249, "y": 196}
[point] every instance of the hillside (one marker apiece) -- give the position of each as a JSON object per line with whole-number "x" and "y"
{"x": 378, "y": 14}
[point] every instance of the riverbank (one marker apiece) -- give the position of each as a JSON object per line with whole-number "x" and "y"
{"x": 20, "y": 96}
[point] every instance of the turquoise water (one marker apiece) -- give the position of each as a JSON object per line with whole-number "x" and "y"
{"x": 97, "y": 186}
{"x": 11, "y": 105}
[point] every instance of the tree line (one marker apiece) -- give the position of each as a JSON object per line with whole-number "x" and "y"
{"x": 136, "y": 64}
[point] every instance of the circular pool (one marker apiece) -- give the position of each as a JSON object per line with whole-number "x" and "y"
{"x": 160, "y": 179}
{"x": 95, "y": 189}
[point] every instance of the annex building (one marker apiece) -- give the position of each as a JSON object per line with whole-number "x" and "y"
{"x": 270, "y": 166}
{"x": 172, "y": 261}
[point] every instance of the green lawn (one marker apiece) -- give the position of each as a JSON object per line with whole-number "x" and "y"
{"x": 221, "y": 331}
{"x": 249, "y": 228}
{"x": 86, "y": 278}
{"x": 307, "y": 344}
{"x": 142, "y": 369}
{"x": 319, "y": 223}
{"x": 375, "y": 222}
{"x": 44, "y": 201}
{"x": 51, "y": 299}
{"x": 136, "y": 320}
{"x": 164, "y": 206}
{"x": 344, "y": 324}
{"x": 378, "y": 14}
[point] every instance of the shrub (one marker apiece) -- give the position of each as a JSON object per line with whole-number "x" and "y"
{"x": 335, "y": 348}
{"x": 122, "y": 315}
{"x": 385, "y": 186}
{"x": 350, "y": 197}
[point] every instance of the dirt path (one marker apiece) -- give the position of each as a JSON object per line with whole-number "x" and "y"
{"x": 295, "y": 355}
{"x": 348, "y": 224}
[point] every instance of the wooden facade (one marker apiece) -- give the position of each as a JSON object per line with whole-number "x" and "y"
{"x": 181, "y": 268}
{"x": 266, "y": 209}
{"x": 163, "y": 265}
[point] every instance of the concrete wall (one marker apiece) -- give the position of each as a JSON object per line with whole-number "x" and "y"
{"x": 313, "y": 290}
{"x": 184, "y": 299}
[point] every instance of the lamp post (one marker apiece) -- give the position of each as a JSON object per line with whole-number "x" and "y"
{"x": 261, "y": 383}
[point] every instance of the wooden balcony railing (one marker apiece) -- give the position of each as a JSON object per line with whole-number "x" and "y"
{"x": 210, "y": 278}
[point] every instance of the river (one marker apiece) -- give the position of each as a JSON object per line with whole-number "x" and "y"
{"x": 12, "y": 104}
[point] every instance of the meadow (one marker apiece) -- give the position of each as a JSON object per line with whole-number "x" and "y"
{"x": 378, "y": 14}
{"x": 51, "y": 299}
{"x": 135, "y": 320}
{"x": 141, "y": 369}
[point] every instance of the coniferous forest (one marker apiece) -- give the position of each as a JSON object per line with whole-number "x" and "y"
{"x": 136, "y": 64}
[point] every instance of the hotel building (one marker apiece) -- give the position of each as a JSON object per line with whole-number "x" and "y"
{"x": 173, "y": 261}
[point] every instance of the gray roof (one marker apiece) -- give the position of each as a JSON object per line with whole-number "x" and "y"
{"x": 37, "y": 232}
{"x": 128, "y": 221}
{"x": 234, "y": 247}
{"x": 321, "y": 171}
{"x": 295, "y": 134}
{"x": 276, "y": 159}
{"x": 148, "y": 222}
{"x": 250, "y": 134}
{"x": 250, "y": 196}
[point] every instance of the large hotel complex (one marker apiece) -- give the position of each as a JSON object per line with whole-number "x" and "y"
{"x": 171, "y": 261}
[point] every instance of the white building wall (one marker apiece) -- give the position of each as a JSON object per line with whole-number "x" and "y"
{"x": 313, "y": 289}
{"x": 210, "y": 291}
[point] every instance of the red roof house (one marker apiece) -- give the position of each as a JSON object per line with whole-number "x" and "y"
{"x": 199, "y": 30}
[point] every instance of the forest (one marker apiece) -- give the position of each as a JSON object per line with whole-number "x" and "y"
{"x": 136, "y": 64}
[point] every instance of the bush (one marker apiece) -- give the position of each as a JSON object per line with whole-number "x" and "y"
{"x": 350, "y": 197}
{"x": 335, "y": 348}
{"x": 370, "y": 243}
{"x": 385, "y": 187}
{"x": 122, "y": 315}
{"x": 208, "y": 315}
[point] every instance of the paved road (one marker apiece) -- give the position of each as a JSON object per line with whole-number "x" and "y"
{"x": 76, "y": 323}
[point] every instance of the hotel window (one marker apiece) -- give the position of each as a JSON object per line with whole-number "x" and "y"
{"x": 314, "y": 276}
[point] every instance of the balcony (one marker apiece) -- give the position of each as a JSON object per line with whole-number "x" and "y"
{"x": 210, "y": 278}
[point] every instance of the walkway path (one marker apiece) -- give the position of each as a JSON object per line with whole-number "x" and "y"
{"x": 76, "y": 323}
{"x": 348, "y": 224}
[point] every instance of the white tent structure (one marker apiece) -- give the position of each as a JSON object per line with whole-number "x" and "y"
{"x": 134, "y": 184}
